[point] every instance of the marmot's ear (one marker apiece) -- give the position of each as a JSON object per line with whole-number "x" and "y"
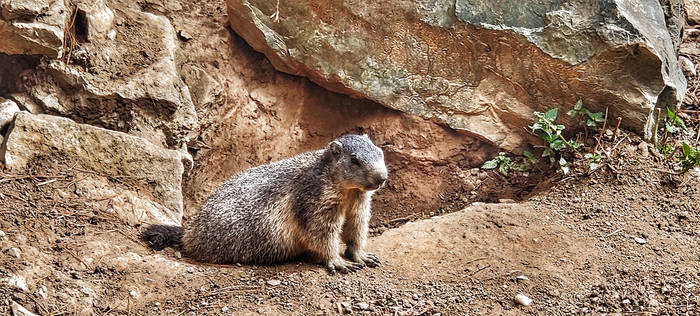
{"x": 335, "y": 147}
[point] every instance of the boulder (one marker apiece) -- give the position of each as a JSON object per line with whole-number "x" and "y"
{"x": 49, "y": 142}
{"x": 477, "y": 66}
{"x": 127, "y": 81}
{"x": 693, "y": 8}
{"x": 32, "y": 27}
{"x": 8, "y": 108}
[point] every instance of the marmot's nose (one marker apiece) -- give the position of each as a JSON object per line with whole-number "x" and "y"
{"x": 379, "y": 180}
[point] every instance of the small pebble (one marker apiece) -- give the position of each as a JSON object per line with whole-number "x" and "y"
{"x": 274, "y": 282}
{"x": 190, "y": 270}
{"x": 42, "y": 291}
{"x": 363, "y": 306}
{"x": 224, "y": 309}
{"x": 133, "y": 293}
{"x": 523, "y": 300}
{"x": 640, "y": 240}
{"x": 522, "y": 278}
{"x": 14, "y": 252}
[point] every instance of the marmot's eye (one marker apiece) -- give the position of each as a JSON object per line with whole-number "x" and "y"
{"x": 355, "y": 161}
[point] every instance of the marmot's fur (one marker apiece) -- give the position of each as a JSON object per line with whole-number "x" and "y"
{"x": 275, "y": 212}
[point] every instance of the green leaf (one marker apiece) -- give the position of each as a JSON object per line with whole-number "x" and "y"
{"x": 557, "y": 145}
{"x": 575, "y": 145}
{"x": 578, "y": 105}
{"x": 535, "y": 127}
{"x": 551, "y": 115}
{"x": 490, "y": 164}
{"x": 596, "y": 117}
{"x": 503, "y": 169}
{"x": 530, "y": 157}
{"x": 547, "y": 152}
{"x": 687, "y": 151}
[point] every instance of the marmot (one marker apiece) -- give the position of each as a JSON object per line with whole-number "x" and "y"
{"x": 275, "y": 212}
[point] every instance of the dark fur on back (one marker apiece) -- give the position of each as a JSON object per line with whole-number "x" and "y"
{"x": 161, "y": 236}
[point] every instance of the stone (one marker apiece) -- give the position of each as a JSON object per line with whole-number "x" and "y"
{"x": 32, "y": 140}
{"x": 16, "y": 281}
{"x": 19, "y": 310}
{"x": 523, "y": 300}
{"x": 42, "y": 291}
{"x": 687, "y": 66}
{"x": 640, "y": 240}
{"x": 100, "y": 20}
{"x": 274, "y": 282}
{"x": 462, "y": 64}
{"x": 14, "y": 252}
{"x": 32, "y": 27}
{"x": 14, "y": 9}
{"x": 8, "y": 108}
{"x": 693, "y": 9}
{"x": 132, "y": 84}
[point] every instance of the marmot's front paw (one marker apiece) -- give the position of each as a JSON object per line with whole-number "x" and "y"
{"x": 363, "y": 258}
{"x": 371, "y": 260}
{"x": 343, "y": 266}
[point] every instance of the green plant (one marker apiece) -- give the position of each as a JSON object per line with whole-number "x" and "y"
{"x": 674, "y": 124}
{"x": 591, "y": 119}
{"x": 503, "y": 162}
{"x": 594, "y": 158}
{"x": 691, "y": 156}
{"x": 555, "y": 142}
{"x": 665, "y": 149}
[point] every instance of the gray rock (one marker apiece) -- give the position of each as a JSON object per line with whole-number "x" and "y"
{"x": 687, "y": 66}
{"x": 13, "y": 9}
{"x": 274, "y": 282}
{"x": 693, "y": 8}
{"x": 14, "y": 252}
{"x": 8, "y": 108}
{"x": 16, "y": 281}
{"x": 478, "y": 66}
{"x": 32, "y": 27}
{"x": 33, "y": 141}
{"x": 136, "y": 90}
{"x": 523, "y": 300}
{"x": 19, "y": 310}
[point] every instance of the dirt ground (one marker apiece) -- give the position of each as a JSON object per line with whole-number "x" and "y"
{"x": 621, "y": 240}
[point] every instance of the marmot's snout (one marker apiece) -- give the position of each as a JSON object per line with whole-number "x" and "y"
{"x": 376, "y": 181}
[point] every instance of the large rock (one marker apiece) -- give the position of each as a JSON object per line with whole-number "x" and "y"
{"x": 478, "y": 66}
{"x": 693, "y": 7}
{"x": 44, "y": 141}
{"x": 33, "y": 27}
{"x": 121, "y": 76}
{"x": 7, "y": 112}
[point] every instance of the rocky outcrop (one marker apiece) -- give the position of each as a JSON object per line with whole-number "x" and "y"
{"x": 693, "y": 7}
{"x": 482, "y": 67}
{"x": 122, "y": 76}
{"x": 32, "y": 27}
{"x": 48, "y": 142}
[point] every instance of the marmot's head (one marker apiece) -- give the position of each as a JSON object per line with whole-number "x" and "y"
{"x": 357, "y": 162}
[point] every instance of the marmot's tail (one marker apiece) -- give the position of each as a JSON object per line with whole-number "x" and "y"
{"x": 161, "y": 236}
